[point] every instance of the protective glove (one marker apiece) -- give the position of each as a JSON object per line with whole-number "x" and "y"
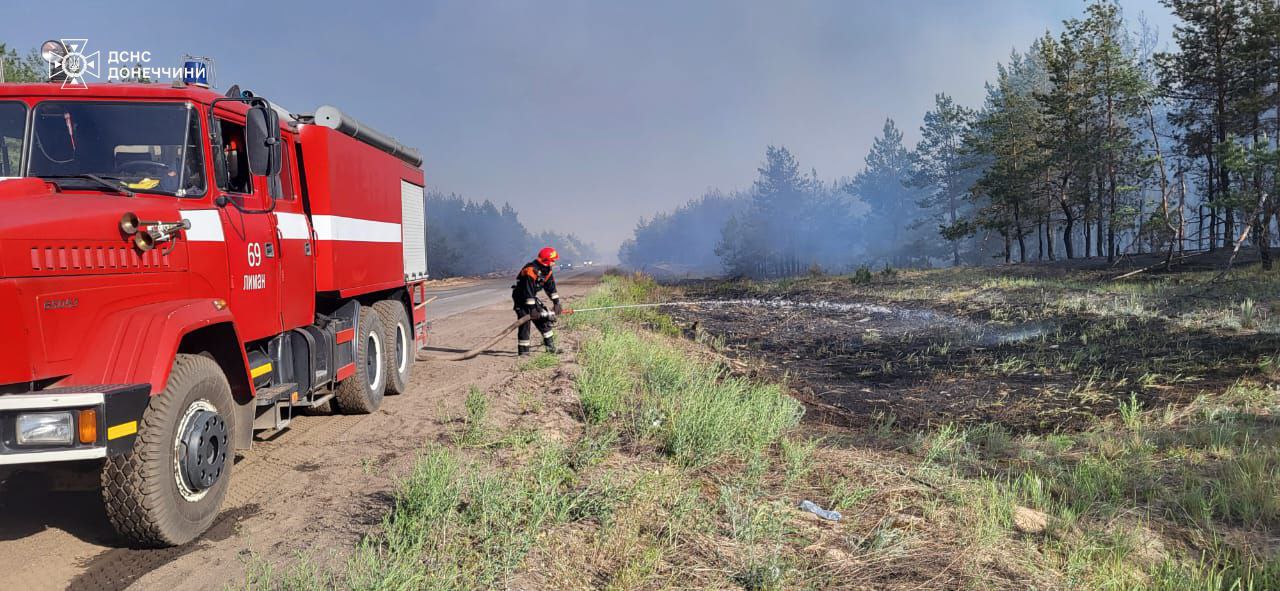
{"x": 555, "y": 307}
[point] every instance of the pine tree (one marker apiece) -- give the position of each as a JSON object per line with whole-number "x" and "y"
{"x": 1009, "y": 194}
{"x": 1119, "y": 91}
{"x": 1066, "y": 110}
{"x": 883, "y": 185}
{"x": 1258, "y": 98}
{"x": 1202, "y": 78}
{"x": 940, "y": 166}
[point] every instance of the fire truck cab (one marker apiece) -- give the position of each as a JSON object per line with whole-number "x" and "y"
{"x": 181, "y": 268}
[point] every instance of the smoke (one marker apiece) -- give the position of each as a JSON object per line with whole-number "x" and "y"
{"x": 792, "y": 222}
{"x": 466, "y": 237}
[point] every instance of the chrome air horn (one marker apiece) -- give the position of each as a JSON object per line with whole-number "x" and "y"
{"x": 146, "y": 234}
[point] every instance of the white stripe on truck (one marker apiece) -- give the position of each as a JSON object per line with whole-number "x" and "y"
{"x": 205, "y": 225}
{"x": 292, "y": 226}
{"x": 336, "y": 227}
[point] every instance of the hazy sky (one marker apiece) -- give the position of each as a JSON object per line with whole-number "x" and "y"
{"x": 587, "y": 115}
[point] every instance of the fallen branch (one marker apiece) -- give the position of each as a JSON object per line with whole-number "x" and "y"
{"x": 1262, "y": 201}
{"x": 1164, "y": 263}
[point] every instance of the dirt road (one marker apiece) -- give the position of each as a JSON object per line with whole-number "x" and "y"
{"x": 312, "y": 490}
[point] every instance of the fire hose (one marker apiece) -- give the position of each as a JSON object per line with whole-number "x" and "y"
{"x": 478, "y": 350}
{"x": 529, "y": 317}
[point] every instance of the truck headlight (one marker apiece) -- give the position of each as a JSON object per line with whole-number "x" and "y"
{"x": 44, "y": 428}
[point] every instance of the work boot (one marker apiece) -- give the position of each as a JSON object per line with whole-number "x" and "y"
{"x": 522, "y": 350}
{"x": 551, "y": 345}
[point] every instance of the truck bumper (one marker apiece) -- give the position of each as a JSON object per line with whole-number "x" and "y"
{"x": 115, "y": 412}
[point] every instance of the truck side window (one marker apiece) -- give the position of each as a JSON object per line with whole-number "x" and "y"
{"x": 13, "y": 124}
{"x": 237, "y": 160}
{"x": 286, "y": 170}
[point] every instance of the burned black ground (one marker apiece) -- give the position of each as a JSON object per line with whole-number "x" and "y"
{"x": 1034, "y": 349}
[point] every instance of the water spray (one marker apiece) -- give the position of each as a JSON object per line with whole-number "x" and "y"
{"x": 529, "y": 317}
{"x": 619, "y": 307}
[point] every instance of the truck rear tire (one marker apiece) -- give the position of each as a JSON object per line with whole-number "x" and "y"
{"x": 361, "y": 393}
{"x": 168, "y": 489}
{"x": 398, "y": 336}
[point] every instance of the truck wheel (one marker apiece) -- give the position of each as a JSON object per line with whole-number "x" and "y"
{"x": 361, "y": 393}
{"x": 398, "y": 336}
{"x": 168, "y": 489}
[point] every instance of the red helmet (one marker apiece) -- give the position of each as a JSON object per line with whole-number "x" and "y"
{"x": 548, "y": 256}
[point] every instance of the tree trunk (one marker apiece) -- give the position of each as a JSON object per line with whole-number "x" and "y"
{"x": 1048, "y": 235}
{"x": 1262, "y": 235}
{"x": 1111, "y": 175}
{"x": 955, "y": 244}
{"x": 1100, "y": 233}
{"x": 1111, "y": 217}
{"x": 1211, "y": 180}
{"x": 1182, "y": 206}
{"x": 1222, "y": 90}
{"x": 1067, "y": 230}
{"x": 1088, "y": 232}
{"x": 1262, "y": 218}
{"x": 1200, "y": 236}
{"x": 1040, "y": 242}
{"x": 1017, "y": 226}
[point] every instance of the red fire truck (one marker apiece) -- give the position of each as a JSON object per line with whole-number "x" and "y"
{"x": 180, "y": 268}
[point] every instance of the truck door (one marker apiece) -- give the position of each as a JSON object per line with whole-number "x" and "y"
{"x": 253, "y": 249}
{"x": 297, "y": 261}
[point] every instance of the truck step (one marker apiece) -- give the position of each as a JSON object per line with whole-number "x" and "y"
{"x": 273, "y": 394}
{"x": 315, "y": 402}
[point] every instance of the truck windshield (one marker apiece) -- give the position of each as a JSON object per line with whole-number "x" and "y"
{"x": 13, "y": 124}
{"x": 147, "y": 147}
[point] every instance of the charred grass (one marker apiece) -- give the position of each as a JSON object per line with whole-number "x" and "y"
{"x": 1130, "y": 443}
{"x": 1138, "y": 418}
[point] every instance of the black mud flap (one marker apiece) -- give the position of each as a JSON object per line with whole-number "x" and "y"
{"x": 122, "y": 415}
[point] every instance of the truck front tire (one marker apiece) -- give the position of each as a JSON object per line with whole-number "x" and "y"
{"x": 168, "y": 489}
{"x": 361, "y": 393}
{"x": 398, "y": 336}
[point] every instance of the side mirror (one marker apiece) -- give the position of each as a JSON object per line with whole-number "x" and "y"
{"x": 262, "y": 136}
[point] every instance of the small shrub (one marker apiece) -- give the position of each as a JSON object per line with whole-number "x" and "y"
{"x": 692, "y": 409}
{"x": 1131, "y": 413}
{"x": 604, "y": 381}
{"x": 728, "y": 416}
{"x": 861, "y": 276}
{"x": 477, "y": 409}
{"x": 945, "y": 446}
{"x": 797, "y": 457}
{"x": 1270, "y": 365}
{"x": 592, "y": 448}
{"x": 846, "y": 494}
{"x": 1248, "y": 314}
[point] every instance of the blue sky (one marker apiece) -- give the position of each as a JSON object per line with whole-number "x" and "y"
{"x": 587, "y": 115}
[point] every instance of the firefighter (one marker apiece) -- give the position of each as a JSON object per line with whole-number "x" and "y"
{"x": 534, "y": 276}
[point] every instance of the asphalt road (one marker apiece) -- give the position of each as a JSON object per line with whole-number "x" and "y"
{"x": 479, "y": 293}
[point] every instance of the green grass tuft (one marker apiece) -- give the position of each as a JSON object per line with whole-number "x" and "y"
{"x": 692, "y": 409}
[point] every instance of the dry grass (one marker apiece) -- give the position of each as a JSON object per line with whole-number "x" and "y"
{"x": 658, "y": 484}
